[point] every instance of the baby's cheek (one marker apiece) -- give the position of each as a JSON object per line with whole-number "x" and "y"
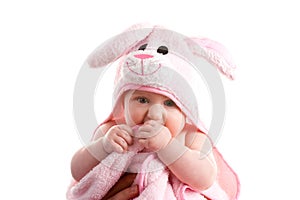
{"x": 175, "y": 125}
{"x": 137, "y": 117}
{"x": 174, "y": 129}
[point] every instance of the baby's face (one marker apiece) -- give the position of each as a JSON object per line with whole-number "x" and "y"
{"x": 142, "y": 106}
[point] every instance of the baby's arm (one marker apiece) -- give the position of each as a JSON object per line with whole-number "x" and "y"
{"x": 189, "y": 165}
{"x": 187, "y": 162}
{"x": 108, "y": 138}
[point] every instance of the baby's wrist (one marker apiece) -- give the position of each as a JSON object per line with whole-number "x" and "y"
{"x": 97, "y": 149}
{"x": 106, "y": 146}
{"x": 172, "y": 151}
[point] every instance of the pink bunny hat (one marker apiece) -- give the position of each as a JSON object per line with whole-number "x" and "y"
{"x": 158, "y": 60}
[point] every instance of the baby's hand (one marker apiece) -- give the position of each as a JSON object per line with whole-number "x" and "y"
{"x": 153, "y": 136}
{"x": 117, "y": 139}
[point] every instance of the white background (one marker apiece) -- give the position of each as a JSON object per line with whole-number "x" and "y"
{"x": 44, "y": 43}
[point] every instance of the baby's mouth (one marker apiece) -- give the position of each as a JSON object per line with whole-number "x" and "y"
{"x": 135, "y": 128}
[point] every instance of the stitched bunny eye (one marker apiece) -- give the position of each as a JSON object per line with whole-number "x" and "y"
{"x": 163, "y": 50}
{"x": 143, "y": 47}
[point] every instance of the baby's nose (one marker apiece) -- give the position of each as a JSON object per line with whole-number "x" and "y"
{"x": 158, "y": 113}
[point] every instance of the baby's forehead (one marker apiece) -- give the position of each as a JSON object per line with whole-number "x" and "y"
{"x": 145, "y": 93}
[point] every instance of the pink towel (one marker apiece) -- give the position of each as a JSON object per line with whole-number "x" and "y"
{"x": 154, "y": 179}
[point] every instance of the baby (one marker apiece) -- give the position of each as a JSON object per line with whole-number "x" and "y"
{"x": 161, "y": 129}
{"x": 155, "y": 114}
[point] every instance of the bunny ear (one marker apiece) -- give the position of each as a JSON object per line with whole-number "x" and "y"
{"x": 119, "y": 45}
{"x": 215, "y": 53}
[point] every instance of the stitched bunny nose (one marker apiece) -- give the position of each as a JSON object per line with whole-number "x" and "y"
{"x": 157, "y": 113}
{"x": 143, "y": 56}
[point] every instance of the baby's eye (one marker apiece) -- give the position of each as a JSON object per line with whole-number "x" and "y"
{"x": 142, "y": 100}
{"x": 169, "y": 103}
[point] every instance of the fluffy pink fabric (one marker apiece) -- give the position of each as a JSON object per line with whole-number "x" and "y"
{"x": 152, "y": 177}
{"x": 95, "y": 184}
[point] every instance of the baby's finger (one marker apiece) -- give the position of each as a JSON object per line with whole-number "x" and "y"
{"x": 153, "y": 123}
{"x": 125, "y": 128}
{"x": 147, "y": 131}
{"x": 122, "y": 143}
{"x": 150, "y": 122}
{"x": 143, "y": 142}
{"x": 128, "y": 138}
{"x": 145, "y": 128}
{"x": 118, "y": 147}
{"x": 145, "y": 134}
